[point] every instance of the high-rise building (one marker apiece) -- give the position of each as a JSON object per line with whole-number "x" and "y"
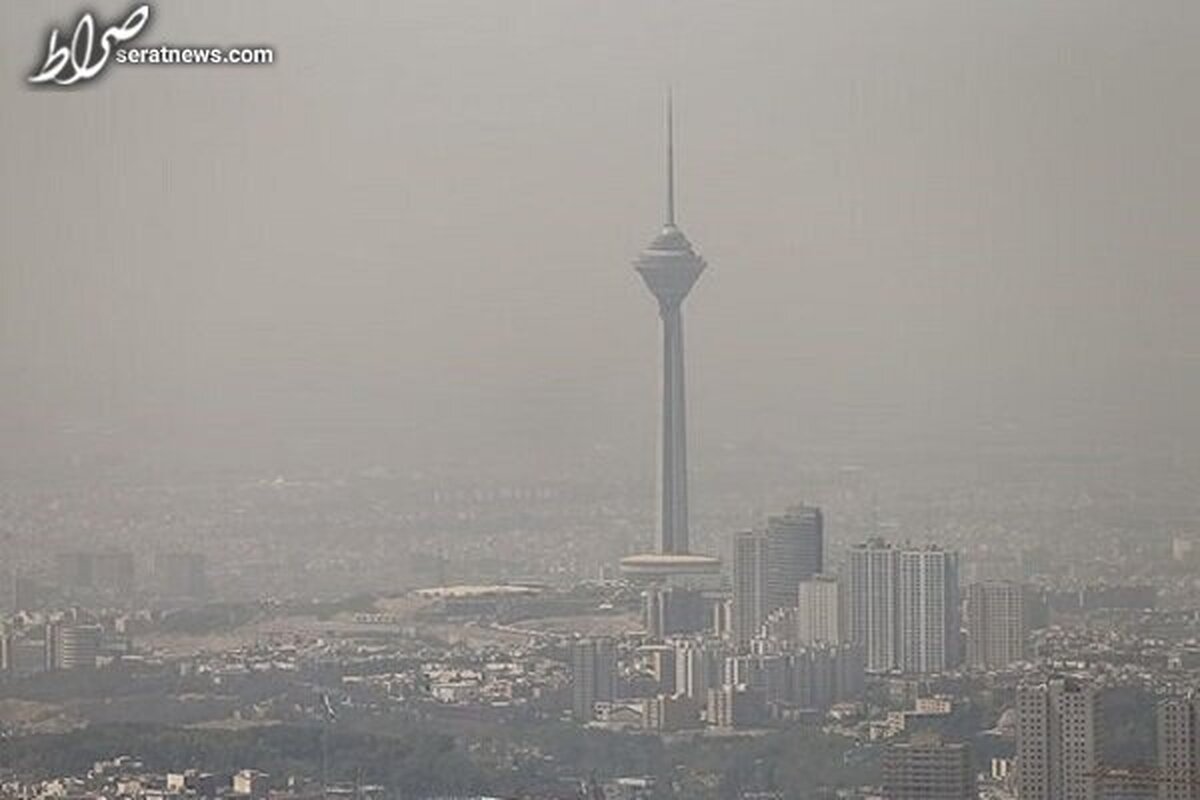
{"x": 818, "y": 611}
{"x": 113, "y": 572}
{"x": 107, "y": 571}
{"x": 750, "y": 574}
{"x": 1057, "y": 748}
{"x": 928, "y": 610}
{"x": 926, "y": 768}
{"x": 778, "y": 631}
{"x": 1129, "y": 783}
{"x": 735, "y": 707}
{"x": 181, "y": 574}
{"x": 593, "y": 675}
{"x": 671, "y": 713}
{"x": 806, "y": 678}
{"x": 1178, "y": 723}
{"x": 871, "y": 585}
{"x": 996, "y": 629}
{"x": 796, "y": 544}
{"x": 826, "y": 674}
{"x": 75, "y": 570}
{"x": 902, "y": 607}
{"x": 672, "y": 610}
{"x": 659, "y": 661}
{"x": 697, "y": 667}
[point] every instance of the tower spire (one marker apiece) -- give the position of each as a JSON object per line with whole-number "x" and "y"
{"x": 670, "y": 159}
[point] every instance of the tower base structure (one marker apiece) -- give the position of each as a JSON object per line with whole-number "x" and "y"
{"x": 684, "y": 570}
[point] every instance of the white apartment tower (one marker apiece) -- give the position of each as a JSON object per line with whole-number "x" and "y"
{"x": 871, "y": 583}
{"x": 750, "y": 571}
{"x": 902, "y": 607}
{"x": 928, "y": 610}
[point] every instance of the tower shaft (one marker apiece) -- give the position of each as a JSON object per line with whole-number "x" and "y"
{"x": 673, "y": 496}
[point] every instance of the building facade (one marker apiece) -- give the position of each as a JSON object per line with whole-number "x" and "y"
{"x": 871, "y": 583}
{"x": 796, "y": 548}
{"x": 1178, "y": 733}
{"x": 593, "y": 675}
{"x": 928, "y": 769}
{"x": 928, "y": 610}
{"x": 819, "y": 611}
{"x": 1057, "y": 749}
{"x": 750, "y": 572}
{"x": 996, "y": 624}
{"x": 902, "y": 607}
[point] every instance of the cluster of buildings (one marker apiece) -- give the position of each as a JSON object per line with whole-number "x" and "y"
{"x": 113, "y": 573}
{"x": 781, "y": 637}
{"x": 1060, "y": 733}
{"x": 687, "y": 683}
{"x": 62, "y": 641}
{"x": 1060, "y": 728}
{"x": 110, "y": 577}
{"x": 128, "y": 778}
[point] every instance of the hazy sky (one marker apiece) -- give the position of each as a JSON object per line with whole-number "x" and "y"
{"x": 923, "y": 220}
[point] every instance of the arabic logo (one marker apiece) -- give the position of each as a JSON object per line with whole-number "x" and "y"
{"x": 80, "y": 61}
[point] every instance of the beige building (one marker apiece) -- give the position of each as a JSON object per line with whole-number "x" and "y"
{"x": 1057, "y": 748}
{"x": 995, "y": 624}
{"x": 818, "y": 611}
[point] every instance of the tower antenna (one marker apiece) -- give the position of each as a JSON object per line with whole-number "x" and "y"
{"x": 670, "y": 159}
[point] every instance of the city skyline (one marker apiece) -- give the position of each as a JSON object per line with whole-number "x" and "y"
{"x": 344, "y": 457}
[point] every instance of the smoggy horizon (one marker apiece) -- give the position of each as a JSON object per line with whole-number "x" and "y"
{"x": 929, "y": 226}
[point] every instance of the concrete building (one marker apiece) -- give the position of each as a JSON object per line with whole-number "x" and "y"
{"x": 796, "y": 549}
{"x": 193, "y": 782}
{"x": 674, "y": 712}
{"x": 697, "y": 667}
{"x": 593, "y": 675}
{"x": 110, "y": 572}
{"x": 1128, "y": 783}
{"x": 818, "y": 611}
{"x": 673, "y": 610}
{"x": 181, "y": 574}
{"x": 114, "y": 572}
{"x": 871, "y": 585}
{"x": 926, "y": 768}
{"x": 1178, "y": 733}
{"x": 750, "y": 572}
{"x": 902, "y": 607}
{"x": 659, "y": 661}
{"x": 780, "y": 629}
{"x": 21, "y": 656}
{"x": 71, "y": 646}
{"x": 928, "y": 610}
{"x": 251, "y": 783}
{"x": 1057, "y": 749}
{"x": 810, "y": 679}
{"x": 735, "y": 707}
{"x": 996, "y": 627}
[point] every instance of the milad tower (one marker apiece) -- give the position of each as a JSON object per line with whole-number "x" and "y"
{"x": 670, "y": 268}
